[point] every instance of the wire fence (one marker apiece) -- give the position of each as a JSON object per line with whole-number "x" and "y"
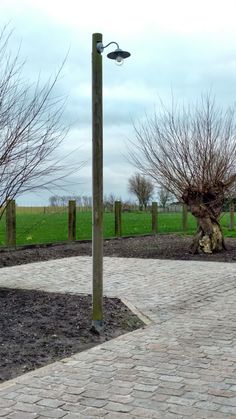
{"x": 36, "y": 225}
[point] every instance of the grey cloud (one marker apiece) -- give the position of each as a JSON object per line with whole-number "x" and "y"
{"x": 190, "y": 65}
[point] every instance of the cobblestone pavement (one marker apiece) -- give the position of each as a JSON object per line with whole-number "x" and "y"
{"x": 182, "y": 365}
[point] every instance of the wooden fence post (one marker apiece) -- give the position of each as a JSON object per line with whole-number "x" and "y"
{"x": 231, "y": 215}
{"x": 72, "y": 220}
{"x": 118, "y": 219}
{"x": 185, "y": 217}
{"x": 11, "y": 223}
{"x": 154, "y": 217}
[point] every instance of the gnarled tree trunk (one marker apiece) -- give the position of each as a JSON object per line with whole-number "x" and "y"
{"x": 206, "y": 207}
{"x": 209, "y": 237}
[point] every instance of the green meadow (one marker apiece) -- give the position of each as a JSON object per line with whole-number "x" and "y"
{"x": 44, "y": 226}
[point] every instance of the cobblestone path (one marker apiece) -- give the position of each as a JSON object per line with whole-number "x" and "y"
{"x": 182, "y": 365}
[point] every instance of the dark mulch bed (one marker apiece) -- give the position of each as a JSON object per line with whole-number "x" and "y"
{"x": 170, "y": 246}
{"x": 38, "y": 328}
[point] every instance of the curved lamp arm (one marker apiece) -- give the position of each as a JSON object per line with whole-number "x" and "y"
{"x": 101, "y": 47}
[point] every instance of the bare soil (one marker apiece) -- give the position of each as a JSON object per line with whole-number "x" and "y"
{"x": 38, "y": 328}
{"x": 169, "y": 246}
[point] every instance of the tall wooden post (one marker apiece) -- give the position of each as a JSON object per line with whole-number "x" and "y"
{"x": 154, "y": 217}
{"x": 97, "y": 161}
{"x": 231, "y": 215}
{"x": 11, "y": 223}
{"x": 185, "y": 217}
{"x": 72, "y": 220}
{"x": 118, "y": 219}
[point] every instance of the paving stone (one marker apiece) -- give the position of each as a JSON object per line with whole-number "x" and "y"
{"x": 171, "y": 378}
{"x": 150, "y": 404}
{"x": 50, "y": 402}
{"x": 181, "y": 400}
{"x": 53, "y": 413}
{"x": 70, "y": 398}
{"x": 74, "y": 390}
{"x": 27, "y": 398}
{"x": 222, "y": 393}
{"x": 93, "y": 402}
{"x": 73, "y": 407}
{"x": 159, "y": 397}
{"x": 121, "y": 399}
{"x": 170, "y": 391}
{"x": 145, "y": 387}
{"x": 120, "y": 390}
{"x": 114, "y": 415}
{"x": 125, "y": 384}
{"x": 80, "y": 416}
{"x": 231, "y": 401}
{"x": 228, "y": 409}
{"x": 23, "y": 415}
{"x": 196, "y": 396}
{"x": 27, "y": 407}
{"x": 5, "y": 412}
{"x": 12, "y": 395}
{"x": 142, "y": 394}
{"x": 118, "y": 407}
{"x": 207, "y": 405}
{"x": 147, "y": 413}
{"x": 93, "y": 411}
{"x": 95, "y": 394}
{"x": 7, "y": 403}
{"x": 187, "y": 411}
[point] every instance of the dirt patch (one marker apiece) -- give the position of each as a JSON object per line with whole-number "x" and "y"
{"x": 170, "y": 246}
{"x": 38, "y": 328}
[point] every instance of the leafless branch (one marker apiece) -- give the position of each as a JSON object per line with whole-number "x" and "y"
{"x": 31, "y": 129}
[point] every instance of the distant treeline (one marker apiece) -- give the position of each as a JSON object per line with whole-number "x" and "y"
{"x": 62, "y": 200}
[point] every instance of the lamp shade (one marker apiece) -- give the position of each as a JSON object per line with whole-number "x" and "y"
{"x": 118, "y": 53}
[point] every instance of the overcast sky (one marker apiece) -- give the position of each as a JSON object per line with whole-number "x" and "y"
{"x": 186, "y": 47}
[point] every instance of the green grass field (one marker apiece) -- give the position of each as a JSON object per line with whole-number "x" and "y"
{"x": 39, "y": 227}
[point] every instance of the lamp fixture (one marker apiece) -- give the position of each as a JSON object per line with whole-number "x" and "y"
{"x": 118, "y": 54}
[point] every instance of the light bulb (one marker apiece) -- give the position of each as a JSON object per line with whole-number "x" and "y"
{"x": 119, "y": 60}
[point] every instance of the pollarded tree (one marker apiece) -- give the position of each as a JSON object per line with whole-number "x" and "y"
{"x": 30, "y": 130}
{"x": 191, "y": 151}
{"x": 142, "y": 188}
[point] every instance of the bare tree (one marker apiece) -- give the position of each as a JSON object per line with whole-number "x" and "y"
{"x": 57, "y": 200}
{"x": 109, "y": 201}
{"x": 54, "y": 201}
{"x": 165, "y": 196}
{"x": 30, "y": 129}
{"x": 192, "y": 151}
{"x": 87, "y": 201}
{"x": 142, "y": 187}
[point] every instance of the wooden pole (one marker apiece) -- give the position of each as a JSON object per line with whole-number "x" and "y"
{"x": 154, "y": 217}
{"x": 185, "y": 217}
{"x": 231, "y": 215}
{"x": 11, "y": 223}
{"x": 97, "y": 162}
{"x": 72, "y": 220}
{"x": 118, "y": 230}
